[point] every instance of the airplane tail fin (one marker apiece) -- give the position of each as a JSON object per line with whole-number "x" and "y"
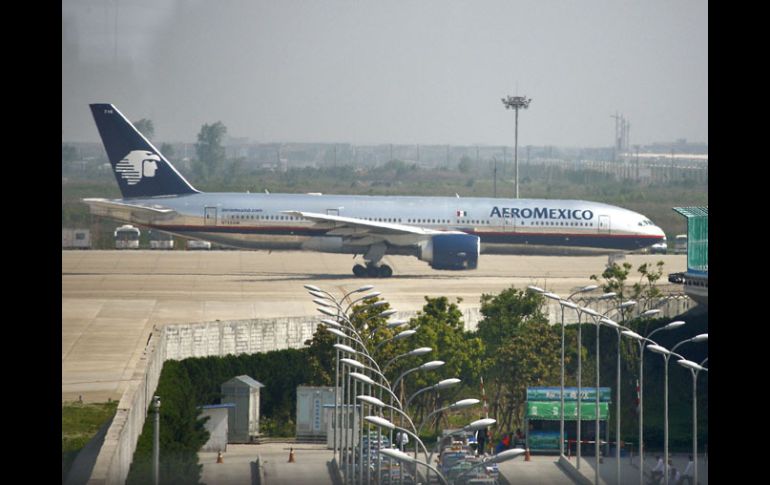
{"x": 140, "y": 169}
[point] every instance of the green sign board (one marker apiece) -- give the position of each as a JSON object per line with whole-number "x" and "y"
{"x": 570, "y": 394}
{"x": 544, "y": 440}
{"x": 551, "y": 410}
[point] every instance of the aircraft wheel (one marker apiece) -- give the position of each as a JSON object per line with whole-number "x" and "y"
{"x": 385, "y": 271}
{"x": 359, "y": 271}
{"x": 373, "y": 271}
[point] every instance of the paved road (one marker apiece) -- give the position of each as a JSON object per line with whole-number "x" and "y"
{"x": 540, "y": 470}
{"x": 310, "y": 464}
{"x": 629, "y": 470}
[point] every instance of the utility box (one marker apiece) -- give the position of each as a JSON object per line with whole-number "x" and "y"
{"x": 216, "y": 425}
{"x": 243, "y": 421}
{"x": 311, "y": 419}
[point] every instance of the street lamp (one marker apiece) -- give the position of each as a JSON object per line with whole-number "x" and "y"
{"x": 642, "y": 342}
{"x": 462, "y": 404}
{"x": 666, "y": 355}
{"x": 515, "y": 103}
{"x": 568, "y": 303}
{"x": 694, "y": 370}
{"x": 411, "y": 353}
{"x": 623, "y": 306}
{"x": 597, "y": 441}
{"x": 438, "y": 386}
{"x": 398, "y": 336}
{"x": 156, "y": 441}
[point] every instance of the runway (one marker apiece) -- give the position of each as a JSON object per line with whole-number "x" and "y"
{"x": 112, "y": 299}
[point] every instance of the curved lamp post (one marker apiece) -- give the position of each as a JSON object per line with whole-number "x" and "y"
{"x": 694, "y": 370}
{"x": 461, "y": 404}
{"x": 398, "y": 336}
{"x": 666, "y": 355}
{"x": 623, "y": 306}
{"x": 562, "y": 303}
{"x": 411, "y": 353}
{"x": 642, "y": 342}
{"x": 436, "y": 387}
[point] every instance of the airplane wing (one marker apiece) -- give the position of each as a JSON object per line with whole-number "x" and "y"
{"x": 355, "y": 227}
{"x": 141, "y": 213}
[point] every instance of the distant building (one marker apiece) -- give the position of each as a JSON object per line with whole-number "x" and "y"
{"x": 696, "y": 279}
{"x": 243, "y": 422}
{"x": 75, "y": 238}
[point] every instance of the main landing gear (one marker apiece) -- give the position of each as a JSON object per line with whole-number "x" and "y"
{"x": 373, "y": 271}
{"x": 373, "y": 268}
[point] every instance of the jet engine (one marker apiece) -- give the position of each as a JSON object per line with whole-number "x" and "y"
{"x": 451, "y": 251}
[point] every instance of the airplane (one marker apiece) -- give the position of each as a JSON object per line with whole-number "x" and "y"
{"x": 448, "y": 233}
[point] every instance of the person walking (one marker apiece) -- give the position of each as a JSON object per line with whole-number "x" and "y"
{"x": 657, "y": 472}
{"x": 481, "y": 439}
{"x": 687, "y": 476}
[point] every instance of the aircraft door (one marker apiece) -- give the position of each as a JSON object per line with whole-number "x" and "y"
{"x": 509, "y": 224}
{"x": 210, "y": 216}
{"x": 604, "y": 224}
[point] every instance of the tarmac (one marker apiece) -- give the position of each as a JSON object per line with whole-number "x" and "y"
{"x": 112, "y": 299}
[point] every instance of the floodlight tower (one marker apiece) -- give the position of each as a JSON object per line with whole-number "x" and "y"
{"x": 514, "y": 103}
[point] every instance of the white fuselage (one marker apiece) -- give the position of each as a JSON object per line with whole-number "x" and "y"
{"x": 259, "y": 221}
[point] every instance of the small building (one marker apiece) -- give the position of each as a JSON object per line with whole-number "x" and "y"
{"x": 216, "y": 425}
{"x": 311, "y": 415}
{"x": 243, "y": 421}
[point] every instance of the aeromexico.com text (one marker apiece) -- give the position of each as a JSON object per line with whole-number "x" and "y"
{"x": 542, "y": 213}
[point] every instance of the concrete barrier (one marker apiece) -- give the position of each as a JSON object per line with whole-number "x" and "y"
{"x": 117, "y": 452}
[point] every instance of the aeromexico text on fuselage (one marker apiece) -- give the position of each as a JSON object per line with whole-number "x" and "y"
{"x": 542, "y": 213}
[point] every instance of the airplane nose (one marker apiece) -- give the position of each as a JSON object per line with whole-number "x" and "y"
{"x": 656, "y": 231}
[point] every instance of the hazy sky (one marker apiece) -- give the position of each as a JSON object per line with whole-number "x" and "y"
{"x": 395, "y": 71}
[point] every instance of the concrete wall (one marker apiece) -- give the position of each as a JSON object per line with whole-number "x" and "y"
{"x": 117, "y": 452}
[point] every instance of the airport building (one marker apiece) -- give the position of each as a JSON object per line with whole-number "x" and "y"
{"x": 696, "y": 278}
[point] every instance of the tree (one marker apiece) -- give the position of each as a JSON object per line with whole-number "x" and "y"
{"x": 505, "y": 313}
{"x": 181, "y": 432}
{"x": 167, "y": 149}
{"x": 645, "y": 288}
{"x": 439, "y": 326}
{"x": 68, "y": 153}
{"x": 531, "y": 357}
{"x": 615, "y": 278}
{"x": 506, "y": 317}
{"x": 209, "y": 149}
{"x": 465, "y": 164}
{"x": 145, "y": 127}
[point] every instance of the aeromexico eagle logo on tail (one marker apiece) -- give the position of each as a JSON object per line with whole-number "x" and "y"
{"x": 136, "y": 165}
